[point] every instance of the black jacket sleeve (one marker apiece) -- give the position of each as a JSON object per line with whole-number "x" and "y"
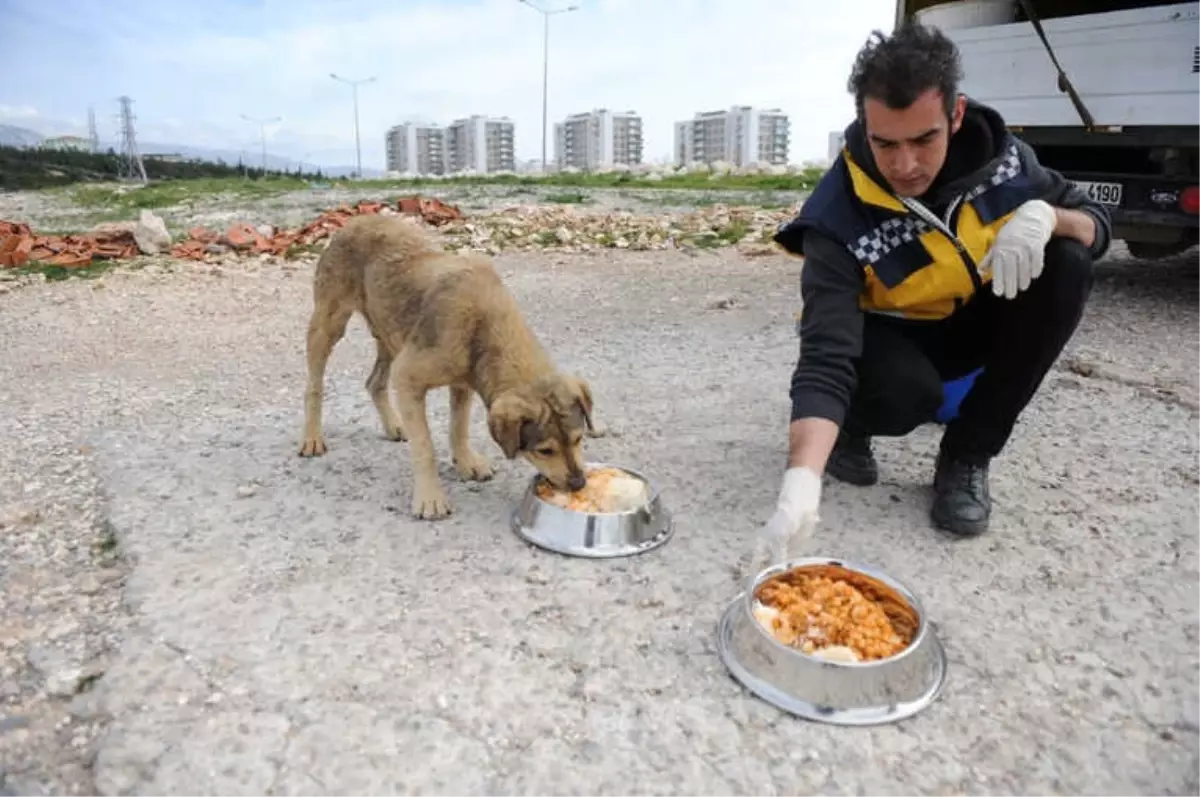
{"x": 1061, "y": 192}
{"x": 830, "y": 330}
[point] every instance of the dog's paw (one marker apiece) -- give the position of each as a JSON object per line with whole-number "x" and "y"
{"x": 474, "y": 467}
{"x": 313, "y": 446}
{"x": 430, "y": 505}
{"x": 395, "y": 432}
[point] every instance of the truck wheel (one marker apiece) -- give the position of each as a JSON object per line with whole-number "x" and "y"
{"x": 1154, "y": 250}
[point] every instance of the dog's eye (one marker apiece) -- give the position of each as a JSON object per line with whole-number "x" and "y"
{"x": 546, "y": 452}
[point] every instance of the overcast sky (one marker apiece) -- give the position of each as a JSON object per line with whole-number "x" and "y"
{"x": 192, "y": 68}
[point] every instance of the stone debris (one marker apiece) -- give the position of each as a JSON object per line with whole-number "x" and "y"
{"x": 514, "y": 228}
{"x": 528, "y": 227}
{"x": 19, "y": 245}
{"x": 109, "y": 241}
{"x": 265, "y": 240}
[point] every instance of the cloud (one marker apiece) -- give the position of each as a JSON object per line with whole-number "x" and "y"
{"x": 194, "y": 69}
{"x": 18, "y": 112}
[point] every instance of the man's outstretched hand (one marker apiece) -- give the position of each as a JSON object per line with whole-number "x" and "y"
{"x": 1018, "y": 253}
{"x": 794, "y": 520}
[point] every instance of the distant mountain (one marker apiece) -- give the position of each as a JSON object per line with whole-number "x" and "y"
{"x": 11, "y": 136}
{"x": 251, "y": 157}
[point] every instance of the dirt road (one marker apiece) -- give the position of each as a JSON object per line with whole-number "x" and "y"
{"x": 188, "y": 607}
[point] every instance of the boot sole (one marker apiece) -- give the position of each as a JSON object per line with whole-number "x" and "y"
{"x": 855, "y": 477}
{"x": 958, "y": 526}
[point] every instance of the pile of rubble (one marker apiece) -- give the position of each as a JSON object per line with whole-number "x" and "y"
{"x": 202, "y": 242}
{"x": 524, "y": 228}
{"x": 118, "y": 240}
{"x": 108, "y": 241}
{"x": 517, "y": 228}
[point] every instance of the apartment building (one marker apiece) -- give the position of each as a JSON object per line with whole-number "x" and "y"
{"x": 480, "y": 144}
{"x": 740, "y": 135}
{"x": 597, "y": 139}
{"x": 416, "y": 149}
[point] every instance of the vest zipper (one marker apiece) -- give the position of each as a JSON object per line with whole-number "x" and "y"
{"x": 930, "y": 218}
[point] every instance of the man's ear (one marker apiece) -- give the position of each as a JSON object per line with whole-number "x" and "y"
{"x": 582, "y": 392}
{"x": 960, "y": 110}
{"x": 513, "y": 423}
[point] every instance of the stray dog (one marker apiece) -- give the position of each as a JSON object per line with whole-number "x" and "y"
{"x": 442, "y": 319}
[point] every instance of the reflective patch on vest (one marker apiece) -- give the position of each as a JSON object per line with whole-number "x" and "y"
{"x": 992, "y": 205}
{"x": 888, "y": 236}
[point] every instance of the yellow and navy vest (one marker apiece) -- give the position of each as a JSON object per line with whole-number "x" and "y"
{"x": 916, "y": 265}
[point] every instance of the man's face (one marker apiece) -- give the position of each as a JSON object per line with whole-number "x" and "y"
{"x": 910, "y": 144}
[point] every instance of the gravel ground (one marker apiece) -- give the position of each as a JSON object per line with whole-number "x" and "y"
{"x": 188, "y": 607}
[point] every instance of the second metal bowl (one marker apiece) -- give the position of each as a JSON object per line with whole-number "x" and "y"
{"x": 593, "y": 535}
{"x": 834, "y": 692}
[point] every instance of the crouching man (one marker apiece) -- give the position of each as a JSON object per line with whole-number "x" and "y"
{"x": 935, "y": 245}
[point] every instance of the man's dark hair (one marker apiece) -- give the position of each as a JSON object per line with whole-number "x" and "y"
{"x": 899, "y": 68}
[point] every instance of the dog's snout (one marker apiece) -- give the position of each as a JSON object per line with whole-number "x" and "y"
{"x": 576, "y": 481}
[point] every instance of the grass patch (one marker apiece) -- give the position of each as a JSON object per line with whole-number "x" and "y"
{"x": 105, "y": 546}
{"x": 690, "y": 182}
{"x": 735, "y": 231}
{"x": 767, "y": 200}
{"x": 55, "y": 273}
{"x": 300, "y": 250}
{"x": 129, "y": 200}
{"x": 569, "y": 198}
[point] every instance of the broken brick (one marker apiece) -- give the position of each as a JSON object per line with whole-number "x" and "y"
{"x": 19, "y": 244}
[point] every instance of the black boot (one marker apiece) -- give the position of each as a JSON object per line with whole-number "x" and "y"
{"x": 963, "y": 501}
{"x": 852, "y": 461}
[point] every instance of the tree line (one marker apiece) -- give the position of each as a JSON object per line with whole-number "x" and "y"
{"x": 25, "y": 168}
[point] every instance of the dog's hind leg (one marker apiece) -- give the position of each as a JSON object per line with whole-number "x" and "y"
{"x": 470, "y": 464}
{"x": 325, "y": 329}
{"x": 429, "y": 500}
{"x": 377, "y": 386}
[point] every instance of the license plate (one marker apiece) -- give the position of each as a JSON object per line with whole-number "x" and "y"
{"x": 1105, "y": 193}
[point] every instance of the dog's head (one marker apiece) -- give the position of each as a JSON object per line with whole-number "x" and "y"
{"x": 544, "y": 423}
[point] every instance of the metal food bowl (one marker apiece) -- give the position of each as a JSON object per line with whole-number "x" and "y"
{"x": 835, "y": 692}
{"x": 593, "y": 535}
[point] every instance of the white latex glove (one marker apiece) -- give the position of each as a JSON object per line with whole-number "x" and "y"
{"x": 1017, "y": 255}
{"x": 794, "y": 520}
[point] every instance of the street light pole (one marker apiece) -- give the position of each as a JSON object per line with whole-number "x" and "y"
{"x": 354, "y": 84}
{"x": 262, "y": 132}
{"x": 546, "y": 63}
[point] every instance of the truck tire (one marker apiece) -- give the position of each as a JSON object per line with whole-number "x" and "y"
{"x": 1155, "y": 250}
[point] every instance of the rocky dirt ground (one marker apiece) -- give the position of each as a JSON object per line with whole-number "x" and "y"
{"x": 188, "y": 607}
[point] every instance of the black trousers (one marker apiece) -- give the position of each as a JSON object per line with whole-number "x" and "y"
{"x": 904, "y": 364}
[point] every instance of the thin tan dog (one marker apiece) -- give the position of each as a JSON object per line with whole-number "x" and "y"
{"x": 442, "y": 319}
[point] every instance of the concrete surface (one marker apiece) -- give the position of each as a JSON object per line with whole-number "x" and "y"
{"x": 290, "y": 630}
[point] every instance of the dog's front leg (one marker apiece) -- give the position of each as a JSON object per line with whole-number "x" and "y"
{"x": 429, "y": 500}
{"x": 470, "y": 464}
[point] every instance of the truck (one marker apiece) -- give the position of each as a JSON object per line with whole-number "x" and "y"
{"x": 1107, "y": 93}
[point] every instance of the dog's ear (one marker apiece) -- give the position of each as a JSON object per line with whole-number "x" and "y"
{"x": 513, "y": 423}
{"x": 582, "y": 392}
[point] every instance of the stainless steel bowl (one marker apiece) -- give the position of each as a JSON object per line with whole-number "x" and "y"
{"x": 594, "y": 536}
{"x": 838, "y": 693}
